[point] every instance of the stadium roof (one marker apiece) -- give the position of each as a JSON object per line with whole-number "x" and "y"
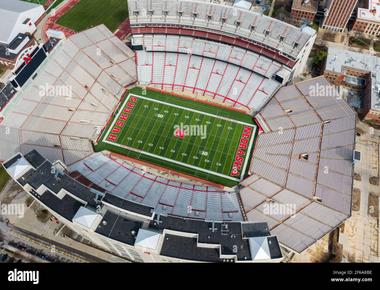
{"x": 301, "y": 171}
{"x": 339, "y": 59}
{"x": 69, "y": 98}
{"x": 261, "y": 29}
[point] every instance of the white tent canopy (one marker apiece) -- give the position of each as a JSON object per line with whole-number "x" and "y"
{"x": 259, "y": 248}
{"x": 87, "y": 218}
{"x": 147, "y": 239}
{"x": 19, "y": 168}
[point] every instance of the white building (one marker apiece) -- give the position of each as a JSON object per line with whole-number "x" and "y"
{"x": 18, "y": 17}
{"x": 17, "y": 20}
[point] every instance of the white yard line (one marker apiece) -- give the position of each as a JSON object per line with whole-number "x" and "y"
{"x": 172, "y": 160}
{"x": 193, "y": 110}
{"x": 116, "y": 118}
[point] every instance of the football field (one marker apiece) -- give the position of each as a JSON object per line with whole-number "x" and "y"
{"x": 204, "y": 141}
{"x": 90, "y": 13}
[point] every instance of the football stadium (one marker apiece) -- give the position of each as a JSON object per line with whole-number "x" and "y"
{"x": 180, "y": 142}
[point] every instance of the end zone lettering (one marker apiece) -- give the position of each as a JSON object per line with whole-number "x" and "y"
{"x": 241, "y": 152}
{"x": 120, "y": 121}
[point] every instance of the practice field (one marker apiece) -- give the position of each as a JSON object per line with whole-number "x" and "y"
{"x": 90, "y": 13}
{"x": 204, "y": 141}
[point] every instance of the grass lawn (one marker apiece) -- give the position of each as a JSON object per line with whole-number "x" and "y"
{"x": 54, "y": 5}
{"x": 90, "y": 13}
{"x": 207, "y": 142}
{"x": 4, "y": 177}
{"x": 376, "y": 46}
{"x": 3, "y": 68}
{"x": 42, "y": 2}
{"x": 360, "y": 42}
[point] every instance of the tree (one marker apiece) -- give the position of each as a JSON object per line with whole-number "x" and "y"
{"x": 319, "y": 57}
{"x": 43, "y": 215}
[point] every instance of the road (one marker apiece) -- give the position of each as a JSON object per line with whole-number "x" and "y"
{"x": 272, "y": 8}
{"x": 12, "y": 233}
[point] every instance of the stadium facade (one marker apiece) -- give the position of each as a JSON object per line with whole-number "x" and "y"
{"x": 215, "y": 53}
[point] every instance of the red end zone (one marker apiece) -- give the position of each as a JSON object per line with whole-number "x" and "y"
{"x": 120, "y": 122}
{"x": 241, "y": 153}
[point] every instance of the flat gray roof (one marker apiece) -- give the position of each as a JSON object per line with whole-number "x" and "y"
{"x": 70, "y": 99}
{"x": 338, "y": 59}
{"x": 301, "y": 171}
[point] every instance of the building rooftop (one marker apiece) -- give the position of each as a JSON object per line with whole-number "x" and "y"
{"x": 10, "y": 11}
{"x": 339, "y": 59}
{"x": 16, "y": 6}
{"x": 177, "y": 237}
{"x": 48, "y": 175}
{"x": 119, "y": 228}
{"x": 305, "y": 5}
{"x": 372, "y": 13}
{"x": 66, "y": 207}
{"x": 187, "y": 248}
{"x": 234, "y": 238}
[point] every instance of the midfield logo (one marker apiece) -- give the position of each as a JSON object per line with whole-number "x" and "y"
{"x": 27, "y": 58}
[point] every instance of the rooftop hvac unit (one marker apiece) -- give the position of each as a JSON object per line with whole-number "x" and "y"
{"x": 317, "y": 198}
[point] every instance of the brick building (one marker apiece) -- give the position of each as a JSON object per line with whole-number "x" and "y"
{"x": 304, "y": 10}
{"x": 368, "y": 19}
{"x": 337, "y": 14}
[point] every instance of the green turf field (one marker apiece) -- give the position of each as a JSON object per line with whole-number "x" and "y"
{"x": 90, "y": 13}
{"x": 203, "y": 141}
{"x": 55, "y": 4}
{"x": 42, "y": 2}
